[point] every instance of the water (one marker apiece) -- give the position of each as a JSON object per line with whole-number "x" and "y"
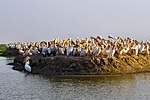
{"x": 15, "y": 85}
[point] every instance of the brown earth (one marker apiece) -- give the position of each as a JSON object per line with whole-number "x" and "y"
{"x": 63, "y": 65}
{"x": 10, "y": 52}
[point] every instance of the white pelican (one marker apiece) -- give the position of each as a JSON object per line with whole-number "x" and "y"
{"x": 106, "y": 50}
{"x": 49, "y": 50}
{"x": 125, "y": 49}
{"x": 52, "y": 49}
{"x": 83, "y": 51}
{"x": 21, "y": 52}
{"x": 136, "y": 48}
{"x": 12, "y": 46}
{"x": 34, "y": 50}
{"x": 147, "y": 48}
{"x": 141, "y": 47}
{"x": 75, "y": 51}
{"x": 69, "y": 50}
{"x": 96, "y": 50}
{"x": 89, "y": 52}
{"x": 27, "y": 52}
{"x": 60, "y": 51}
{"x": 111, "y": 51}
{"x": 44, "y": 50}
{"x": 110, "y": 37}
{"x": 27, "y": 66}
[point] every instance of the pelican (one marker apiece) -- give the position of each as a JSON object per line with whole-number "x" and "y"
{"x": 141, "y": 47}
{"x": 12, "y": 46}
{"x": 27, "y": 52}
{"x": 75, "y": 51}
{"x": 147, "y": 48}
{"x": 44, "y": 50}
{"x": 89, "y": 52}
{"x": 69, "y": 50}
{"x": 106, "y": 49}
{"x": 110, "y": 37}
{"x": 136, "y": 48}
{"x": 93, "y": 46}
{"x": 83, "y": 51}
{"x": 125, "y": 49}
{"x": 21, "y": 52}
{"x": 96, "y": 50}
{"x": 27, "y": 66}
{"x": 49, "y": 50}
{"x": 60, "y": 51}
{"x": 34, "y": 50}
{"x": 52, "y": 49}
{"x": 111, "y": 51}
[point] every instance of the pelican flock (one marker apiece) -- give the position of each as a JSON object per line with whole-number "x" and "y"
{"x": 88, "y": 47}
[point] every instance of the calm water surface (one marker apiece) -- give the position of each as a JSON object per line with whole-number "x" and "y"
{"x": 16, "y": 85}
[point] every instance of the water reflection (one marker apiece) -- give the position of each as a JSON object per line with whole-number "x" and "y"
{"x": 16, "y": 85}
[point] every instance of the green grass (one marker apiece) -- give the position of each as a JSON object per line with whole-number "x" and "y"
{"x": 2, "y": 48}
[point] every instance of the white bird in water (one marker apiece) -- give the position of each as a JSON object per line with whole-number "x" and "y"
{"x": 27, "y": 66}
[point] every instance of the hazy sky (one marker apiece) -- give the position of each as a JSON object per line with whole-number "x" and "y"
{"x": 35, "y": 20}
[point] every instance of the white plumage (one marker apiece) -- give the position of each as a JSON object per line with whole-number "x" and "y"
{"x": 147, "y": 49}
{"x": 111, "y": 52}
{"x": 49, "y": 50}
{"x": 61, "y": 51}
{"x": 44, "y": 50}
{"x": 136, "y": 48}
{"x": 75, "y": 51}
{"x": 125, "y": 50}
{"x": 27, "y": 66}
{"x": 141, "y": 47}
{"x": 96, "y": 50}
{"x": 69, "y": 50}
{"x": 83, "y": 52}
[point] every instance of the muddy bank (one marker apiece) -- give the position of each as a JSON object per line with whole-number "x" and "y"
{"x": 63, "y": 65}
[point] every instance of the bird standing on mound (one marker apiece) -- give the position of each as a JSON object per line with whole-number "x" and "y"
{"x": 69, "y": 50}
{"x": 27, "y": 66}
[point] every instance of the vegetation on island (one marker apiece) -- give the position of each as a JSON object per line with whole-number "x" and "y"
{"x": 2, "y": 48}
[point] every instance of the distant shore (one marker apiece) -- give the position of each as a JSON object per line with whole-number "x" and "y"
{"x": 2, "y": 48}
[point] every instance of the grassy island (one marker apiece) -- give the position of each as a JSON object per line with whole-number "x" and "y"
{"x": 2, "y": 48}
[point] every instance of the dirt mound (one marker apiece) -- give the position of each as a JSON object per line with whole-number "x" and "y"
{"x": 11, "y": 52}
{"x": 63, "y": 65}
